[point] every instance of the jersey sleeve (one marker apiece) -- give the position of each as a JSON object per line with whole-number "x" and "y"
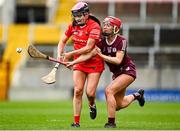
{"x": 94, "y": 31}
{"x": 69, "y": 32}
{"x": 122, "y": 46}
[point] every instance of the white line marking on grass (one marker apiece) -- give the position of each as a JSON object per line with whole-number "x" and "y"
{"x": 55, "y": 120}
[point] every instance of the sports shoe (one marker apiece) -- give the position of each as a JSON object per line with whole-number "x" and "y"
{"x": 75, "y": 125}
{"x": 93, "y": 111}
{"x": 141, "y": 98}
{"x": 110, "y": 125}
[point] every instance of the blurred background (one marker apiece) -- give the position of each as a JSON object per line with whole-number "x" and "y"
{"x": 152, "y": 28}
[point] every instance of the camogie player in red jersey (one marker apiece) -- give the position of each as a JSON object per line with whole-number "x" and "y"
{"x": 113, "y": 49}
{"x": 85, "y": 31}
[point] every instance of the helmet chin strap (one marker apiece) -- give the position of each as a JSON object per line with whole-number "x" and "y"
{"x": 114, "y": 30}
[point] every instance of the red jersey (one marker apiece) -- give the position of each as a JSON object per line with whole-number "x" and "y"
{"x": 80, "y": 36}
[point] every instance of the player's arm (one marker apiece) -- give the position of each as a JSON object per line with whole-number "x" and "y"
{"x": 82, "y": 58}
{"x": 94, "y": 35}
{"x": 86, "y": 49}
{"x": 61, "y": 45}
{"x": 114, "y": 60}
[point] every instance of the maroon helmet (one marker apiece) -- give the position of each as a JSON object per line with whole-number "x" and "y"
{"x": 114, "y": 21}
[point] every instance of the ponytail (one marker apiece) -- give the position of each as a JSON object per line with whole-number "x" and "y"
{"x": 95, "y": 19}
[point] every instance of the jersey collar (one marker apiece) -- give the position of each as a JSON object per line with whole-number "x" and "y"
{"x": 112, "y": 41}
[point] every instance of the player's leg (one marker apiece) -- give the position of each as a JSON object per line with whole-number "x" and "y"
{"x": 117, "y": 85}
{"x": 123, "y": 101}
{"x": 92, "y": 83}
{"x": 79, "y": 79}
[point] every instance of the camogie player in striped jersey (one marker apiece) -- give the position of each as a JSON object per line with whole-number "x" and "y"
{"x": 113, "y": 49}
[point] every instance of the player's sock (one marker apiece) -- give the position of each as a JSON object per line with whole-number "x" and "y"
{"x": 91, "y": 103}
{"x": 76, "y": 119}
{"x": 111, "y": 120}
{"x": 136, "y": 95}
{"x": 111, "y": 123}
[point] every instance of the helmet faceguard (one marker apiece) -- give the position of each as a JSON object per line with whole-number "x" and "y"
{"x": 79, "y": 10}
{"x": 80, "y": 7}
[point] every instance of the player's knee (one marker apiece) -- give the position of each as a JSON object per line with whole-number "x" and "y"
{"x": 108, "y": 91}
{"x": 78, "y": 92}
{"x": 90, "y": 94}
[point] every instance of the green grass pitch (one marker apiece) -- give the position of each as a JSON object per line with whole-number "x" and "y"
{"x": 59, "y": 116}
